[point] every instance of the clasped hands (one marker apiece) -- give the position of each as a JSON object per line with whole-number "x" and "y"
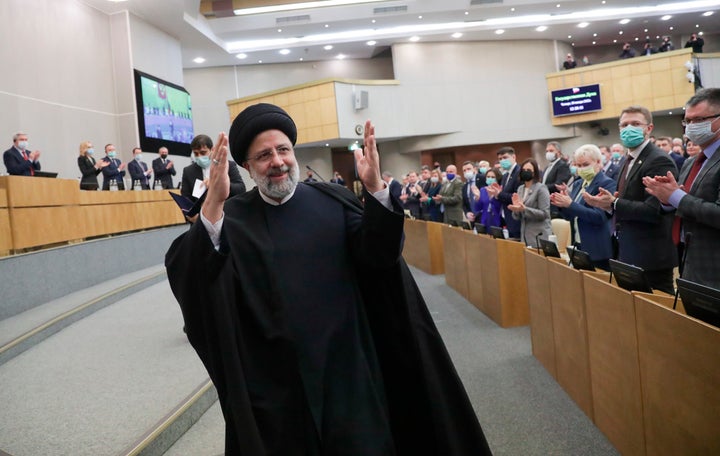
{"x": 517, "y": 204}
{"x": 661, "y": 187}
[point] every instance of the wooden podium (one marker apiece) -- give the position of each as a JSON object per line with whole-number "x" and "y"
{"x": 423, "y": 247}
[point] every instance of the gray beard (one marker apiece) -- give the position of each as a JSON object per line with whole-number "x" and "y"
{"x": 280, "y": 190}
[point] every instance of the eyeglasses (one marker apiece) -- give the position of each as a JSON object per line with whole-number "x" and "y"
{"x": 267, "y": 155}
{"x": 634, "y": 124}
{"x": 687, "y": 122}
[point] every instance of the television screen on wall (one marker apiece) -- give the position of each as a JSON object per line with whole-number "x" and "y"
{"x": 165, "y": 115}
{"x": 576, "y": 100}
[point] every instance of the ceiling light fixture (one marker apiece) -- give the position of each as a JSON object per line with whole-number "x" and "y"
{"x": 284, "y": 51}
{"x": 666, "y": 17}
{"x": 625, "y": 21}
{"x": 241, "y": 56}
{"x": 199, "y": 60}
{"x": 414, "y": 38}
{"x": 457, "y": 35}
{"x": 708, "y": 13}
{"x": 499, "y": 31}
{"x": 583, "y": 24}
{"x": 541, "y": 28}
{"x": 340, "y": 56}
{"x": 298, "y": 6}
{"x": 327, "y": 47}
{"x": 371, "y": 43}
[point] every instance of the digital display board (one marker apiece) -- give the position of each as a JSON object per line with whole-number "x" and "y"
{"x": 576, "y": 100}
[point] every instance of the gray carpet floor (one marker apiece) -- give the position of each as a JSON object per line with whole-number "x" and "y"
{"x": 521, "y": 408}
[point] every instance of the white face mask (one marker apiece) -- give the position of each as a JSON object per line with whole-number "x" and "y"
{"x": 550, "y": 156}
{"x": 22, "y": 145}
{"x": 700, "y": 133}
{"x": 434, "y": 180}
{"x": 469, "y": 175}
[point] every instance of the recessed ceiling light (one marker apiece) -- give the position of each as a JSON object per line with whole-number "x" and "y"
{"x": 327, "y": 47}
{"x": 467, "y": 12}
{"x": 625, "y": 21}
{"x": 672, "y": 28}
{"x": 700, "y": 33}
{"x": 614, "y": 41}
{"x": 414, "y": 38}
{"x": 241, "y": 56}
{"x": 499, "y": 31}
{"x": 666, "y": 17}
{"x": 541, "y": 28}
{"x": 373, "y": 21}
{"x": 645, "y": 30}
{"x": 557, "y": 6}
{"x": 340, "y": 56}
{"x": 371, "y": 43}
{"x": 620, "y": 32}
{"x": 583, "y": 24}
{"x": 569, "y": 36}
{"x": 296, "y": 6}
{"x": 301, "y": 59}
{"x": 637, "y": 39}
{"x": 593, "y": 42}
{"x": 279, "y": 30}
{"x": 284, "y": 51}
{"x": 708, "y": 13}
{"x": 594, "y": 34}
{"x": 512, "y": 10}
{"x": 199, "y": 60}
{"x": 456, "y": 35}
{"x": 327, "y": 25}
{"x": 259, "y": 61}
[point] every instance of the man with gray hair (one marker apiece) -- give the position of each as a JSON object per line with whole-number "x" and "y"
{"x": 558, "y": 171}
{"x": 18, "y": 160}
{"x": 394, "y": 186}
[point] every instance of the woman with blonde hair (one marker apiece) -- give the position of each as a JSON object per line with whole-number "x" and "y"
{"x": 89, "y": 168}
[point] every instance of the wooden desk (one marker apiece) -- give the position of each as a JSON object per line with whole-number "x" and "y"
{"x": 423, "y": 246}
{"x": 680, "y": 376}
{"x": 456, "y": 273}
{"x": 43, "y": 212}
{"x": 540, "y": 307}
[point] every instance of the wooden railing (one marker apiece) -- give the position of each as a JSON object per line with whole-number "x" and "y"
{"x": 37, "y": 212}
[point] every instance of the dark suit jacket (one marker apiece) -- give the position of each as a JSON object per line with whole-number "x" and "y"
{"x": 89, "y": 173}
{"x": 412, "y": 203}
{"x": 593, "y": 223}
{"x": 678, "y": 159}
{"x": 395, "y": 188}
{"x": 194, "y": 172}
{"x": 558, "y": 174}
{"x": 467, "y": 204}
{"x": 17, "y": 165}
{"x": 510, "y": 183}
{"x": 643, "y": 229}
{"x": 614, "y": 168}
{"x": 111, "y": 172}
{"x": 137, "y": 173}
{"x": 163, "y": 173}
{"x": 700, "y": 212}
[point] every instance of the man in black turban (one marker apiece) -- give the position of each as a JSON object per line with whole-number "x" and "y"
{"x": 298, "y": 302}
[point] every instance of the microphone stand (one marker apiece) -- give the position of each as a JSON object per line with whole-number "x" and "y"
{"x": 537, "y": 243}
{"x": 315, "y": 172}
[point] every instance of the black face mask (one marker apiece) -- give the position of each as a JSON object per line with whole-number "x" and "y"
{"x": 526, "y": 175}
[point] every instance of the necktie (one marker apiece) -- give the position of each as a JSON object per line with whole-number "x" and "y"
{"x": 677, "y": 223}
{"x": 622, "y": 181}
{"x": 25, "y": 156}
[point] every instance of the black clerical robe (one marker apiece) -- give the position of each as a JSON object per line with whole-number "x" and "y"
{"x": 314, "y": 333}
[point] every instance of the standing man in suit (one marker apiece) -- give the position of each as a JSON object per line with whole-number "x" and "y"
{"x": 641, "y": 228}
{"x": 665, "y": 143}
{"x": 18, "y": 160}
{"x": 468, "y": 196}
{"x": 558, "y": 171}
{"x": 395, "y": 186}
{"x": 195, "y": 176}
{"x": 164, "y": 169}
{"x": 450, "y": 196}
{"x": 115, "y": 169}
{"x": 695, "y": 198}
{"x": 617, "y": 160}
{"x": 509, "y": 185}
{"x": 139, "y": 171}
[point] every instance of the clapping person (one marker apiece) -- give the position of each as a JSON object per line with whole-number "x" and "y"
{"x": 590, "y": 226}
{"x": 164, "y": 169}
{"x": 89, "y": 167}
{"x": 531, "y": 205}
{"x": 139, "y": 171}
{"x": 114, "y": 170}
{"x": 426, "y": 196}
{"x": 487, "y": 208}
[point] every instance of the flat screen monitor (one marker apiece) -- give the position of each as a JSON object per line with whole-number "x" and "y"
{"x": 575, "y": 100}
{"x": 700, "y": 301}
{"x": 629, "y": 277}
{"x": 497, "y": 232}
{"x": 580, "y": 260}
{"x": 165, "y": 117}
{"x": 45, "y": 174}
{"x": 480, "y": 228}
{"x": 549, "y": 248}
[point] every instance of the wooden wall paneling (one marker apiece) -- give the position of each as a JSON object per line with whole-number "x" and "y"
{"x": 540, "y": 308}
{"x": 455, "y": 262}
{"x": 416, "y": 248}
{"x": 475, "y": 257}
{"x": 490, "y": 278}
{"x": 513, "y": 286}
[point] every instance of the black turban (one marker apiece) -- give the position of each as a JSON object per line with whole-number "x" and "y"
{"x": 254, "y": 120}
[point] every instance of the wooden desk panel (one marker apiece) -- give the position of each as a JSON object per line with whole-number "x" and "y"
{"x": 614, "y": 364}
{"x": 513, "y": 287}
{"x": 6, "y": 240}
{"x": 489, "y": 303}
{"x": 540, "y": 308}
{"x": 455, "y": 261}
{"x": 435, "y": 243}
{"x": 416, "y": 249}
{"x": 475, "y": 257}
{"x": 24, "y": 191}
{"x": 570, "y": 330}
{"x": 680, "y": 372}
{"x": 33, "y": 226}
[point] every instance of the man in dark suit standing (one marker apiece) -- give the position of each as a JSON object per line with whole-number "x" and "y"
{"x": 18, "y": 160}
{"x": 695, "y": 199}
{"x": 195, "y": 175}
{"x": 616, "y": 160}
{"x": 558, "y": 171}
{"x": 468, "y": 198}
{"x": 164, "y": 169}
{"x": 114, "y": 170}
{"x": 509, "y": 185}
{"x": 395, "y": 186}
{"x": 641, "y": 228}
{"x": 139, "y": 171}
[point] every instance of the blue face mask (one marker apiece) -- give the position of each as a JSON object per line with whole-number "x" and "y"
{"x": 138, "y": 157}
{"x": 505, "y": 163}
{"x": 490, "y": 180}
{"x": 112, "y": 154}
{"x": 573, "y": 170}
{"x": 616, "y": 155}
{"x": 632, "y": 136}
{"x": 90, "y": 151}
{"x": 483, "y": 170}
{"x": 450, "y": 176}
{"x": 203, "y": 161}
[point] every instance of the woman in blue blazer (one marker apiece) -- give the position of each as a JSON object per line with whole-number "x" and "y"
{"x": 590, "y": 225}
{"x": 487, "y": 209}
{"x": 426, "y": 197}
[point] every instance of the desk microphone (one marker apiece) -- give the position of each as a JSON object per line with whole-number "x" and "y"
{"x": 315, "y": 172}
{"x": 537, "y": 242}
{"x": 681, "y": 268}
{"x": 572, "y": 254}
